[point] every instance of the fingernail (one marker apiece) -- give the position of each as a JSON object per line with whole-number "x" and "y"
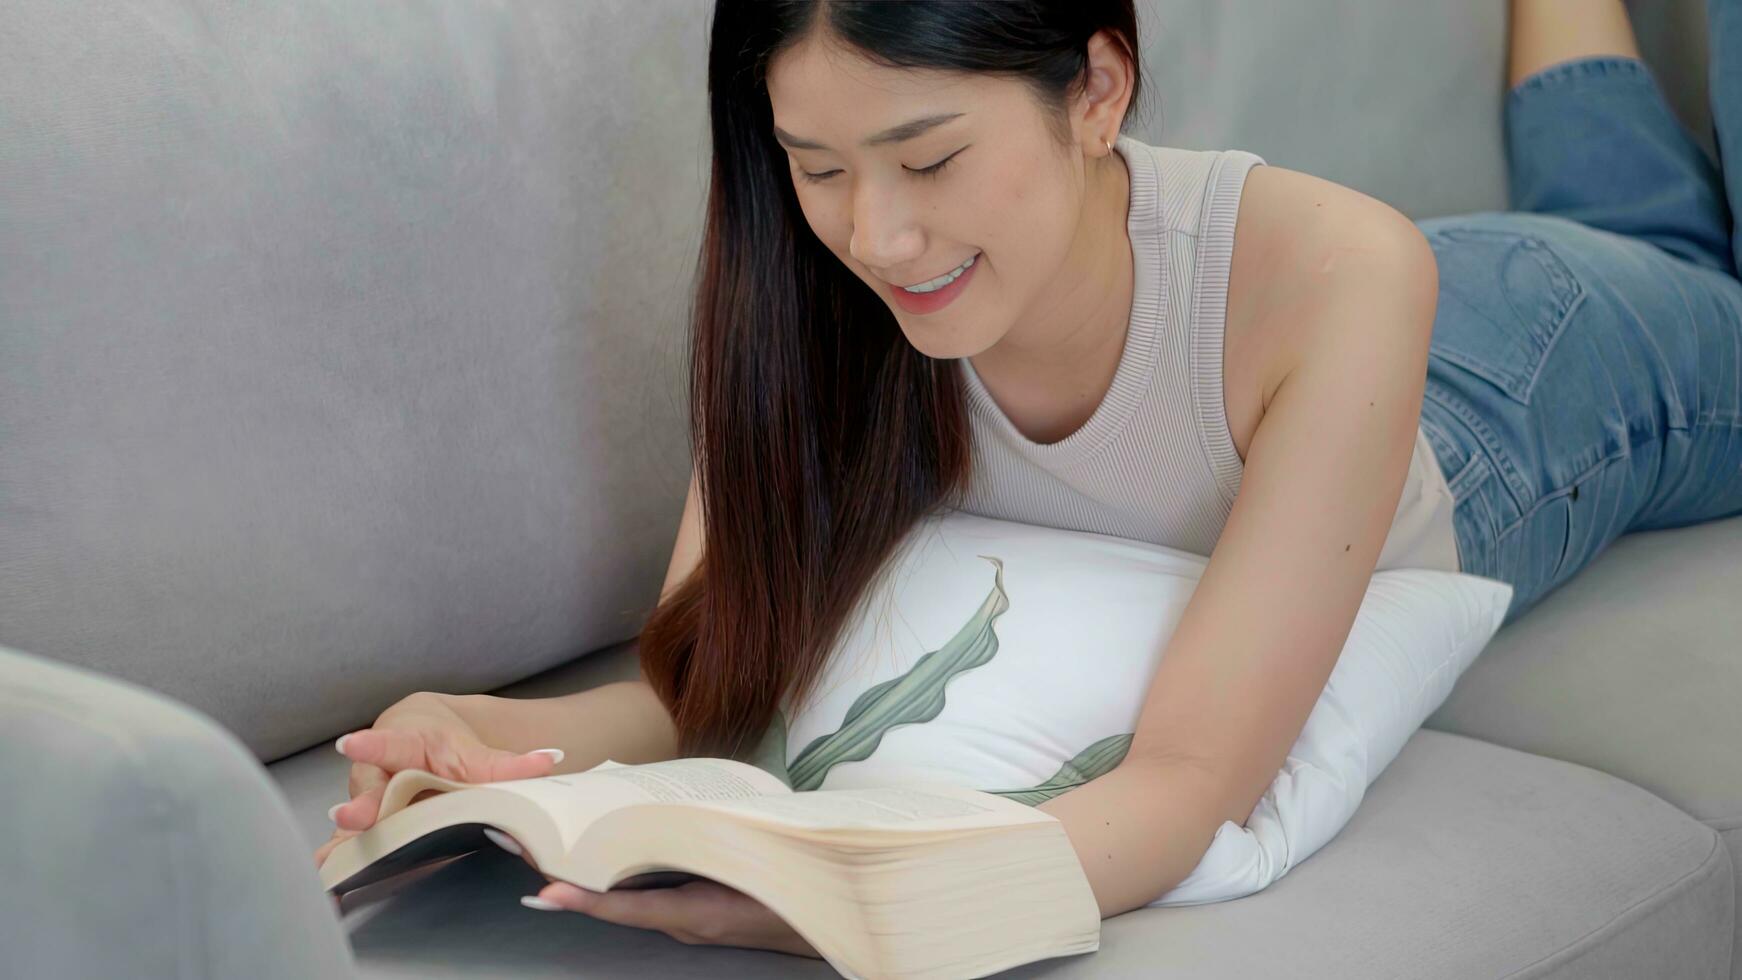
{"x": 502, "y": 840}
{"x": 556, "y": 755}
{"x": 333, "y": 814}
{"x": 340, "y": 744}
{"x": 534, "y": 902}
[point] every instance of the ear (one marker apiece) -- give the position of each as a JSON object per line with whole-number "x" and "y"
{"x": 1107, "y": 94}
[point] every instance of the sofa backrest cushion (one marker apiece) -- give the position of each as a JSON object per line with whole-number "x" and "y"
{"x": 341, "y": 344}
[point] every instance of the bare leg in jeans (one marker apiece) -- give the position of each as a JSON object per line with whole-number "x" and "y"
{"x": 1655, "y": 184}
{"x": 1545, "y": 32}
{"x": 1583, "y": 376}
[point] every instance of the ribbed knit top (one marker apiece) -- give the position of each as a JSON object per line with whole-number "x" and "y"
{"x": 1156, "y": 461}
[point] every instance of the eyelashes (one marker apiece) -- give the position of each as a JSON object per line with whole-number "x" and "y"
{"x": 931, "y": 171}
{"x": 937, "y": 168}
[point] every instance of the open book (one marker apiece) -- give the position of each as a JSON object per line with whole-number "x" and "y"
{"x": 911, "y": 881}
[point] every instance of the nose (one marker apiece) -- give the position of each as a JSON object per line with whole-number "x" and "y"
{"x": 885, "y": 237}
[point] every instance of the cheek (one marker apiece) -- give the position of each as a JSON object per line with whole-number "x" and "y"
{"x": 814, "y": 216}
{"x": 1017, "y": 181}
{"x": 1023, "y": 230}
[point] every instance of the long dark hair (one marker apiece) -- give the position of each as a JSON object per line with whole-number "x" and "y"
{"x": 820, "y": 435}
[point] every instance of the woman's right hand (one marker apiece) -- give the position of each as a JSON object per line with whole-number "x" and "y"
{"x": 420, "y": 732}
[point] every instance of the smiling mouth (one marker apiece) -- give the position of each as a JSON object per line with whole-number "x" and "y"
{"x": 933, "y": 285}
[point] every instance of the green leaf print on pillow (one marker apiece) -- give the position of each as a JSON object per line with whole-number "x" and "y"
{"x": 913, "y": 698}
{"x": 1092, "y": 763}
{"x": 917, "y": 697}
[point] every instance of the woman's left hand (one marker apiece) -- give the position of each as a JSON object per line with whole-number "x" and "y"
{"x": 697, "y": 913}
{"x": 704, "y": 913}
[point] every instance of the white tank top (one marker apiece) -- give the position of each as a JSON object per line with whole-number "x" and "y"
{"x": 1156, "y": 462}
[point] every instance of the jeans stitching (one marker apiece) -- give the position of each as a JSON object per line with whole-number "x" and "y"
{"x": 1472, "y": 497}
{"x": 1464, "y": 478}
{"x": 1444, "y": 447}
{"x": 1479, "y": 552}
{"x": 1516, "y": 485}
{"x": 1463, "y": 483}
{"x": 1624, "y": 66}
{"x": 1569, "y": 305}
{"x": 1565, "y": 490}
{"x": 1567, "y": 291}
{"x": 1486, "y": 543}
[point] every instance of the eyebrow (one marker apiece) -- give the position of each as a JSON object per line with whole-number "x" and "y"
{"x": 894, "y": 134}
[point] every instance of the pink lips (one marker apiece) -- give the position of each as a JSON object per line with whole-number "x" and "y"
{"x": 923, "y": 303}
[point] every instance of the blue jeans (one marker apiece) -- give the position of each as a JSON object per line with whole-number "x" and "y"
{"x": 1585, "y": 375}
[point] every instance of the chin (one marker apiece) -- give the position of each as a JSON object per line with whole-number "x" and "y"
{"x": 944, "y": 343}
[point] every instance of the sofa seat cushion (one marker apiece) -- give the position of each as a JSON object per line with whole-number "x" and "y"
{"x": 1466, "y": 859}
{"x": 1634, "y": 667}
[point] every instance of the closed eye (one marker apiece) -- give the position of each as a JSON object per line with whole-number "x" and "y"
{"x": 934, "y": 169}
{"x": 931, "y": 171}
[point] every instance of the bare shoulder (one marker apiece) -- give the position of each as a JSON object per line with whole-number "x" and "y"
{"x": 1295, "y": 236}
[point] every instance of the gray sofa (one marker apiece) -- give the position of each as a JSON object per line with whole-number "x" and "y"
{"x": 341, "y": 353}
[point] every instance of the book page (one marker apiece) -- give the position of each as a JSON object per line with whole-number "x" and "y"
{"x": 575, "y": 800}
{"x": 907, "y": 808}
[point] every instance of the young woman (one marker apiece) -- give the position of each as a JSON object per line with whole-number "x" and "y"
{"x": 936, "y": 274}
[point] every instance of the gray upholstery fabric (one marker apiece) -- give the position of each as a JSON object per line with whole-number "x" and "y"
{"x": 342, "y": 342}
{"x": 1633, "y": 667}
{"x": 139, "y": 838}
{"x": 340, "y": 357}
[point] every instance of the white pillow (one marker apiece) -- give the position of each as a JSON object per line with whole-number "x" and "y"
{"x": 1059, "y": 662}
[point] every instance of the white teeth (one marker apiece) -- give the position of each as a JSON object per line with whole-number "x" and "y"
{"x": 932, "y": 285}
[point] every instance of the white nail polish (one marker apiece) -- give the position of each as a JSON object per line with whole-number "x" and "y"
{"x": 502, "y": 840}
{"x": 340, "y": 744}
{"x": 556, "y": 755}
{"x": 333, "y": 814}
{"x": 534, "y": 902}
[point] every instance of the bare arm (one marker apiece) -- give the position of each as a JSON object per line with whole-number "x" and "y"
{"x": 1256, "y": 644}
{"x": 624, "y": 721}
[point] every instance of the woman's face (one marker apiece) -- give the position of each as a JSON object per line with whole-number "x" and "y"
{"x": 1007, "y": 195}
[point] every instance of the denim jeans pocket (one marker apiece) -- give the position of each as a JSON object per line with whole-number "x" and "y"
{"x": 1471, "y": 478}
{"x": 1495, "y": 539}
{"x": 1505, "y": 298}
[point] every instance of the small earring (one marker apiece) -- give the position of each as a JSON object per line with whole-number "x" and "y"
{"x": 1108, "y": 145}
